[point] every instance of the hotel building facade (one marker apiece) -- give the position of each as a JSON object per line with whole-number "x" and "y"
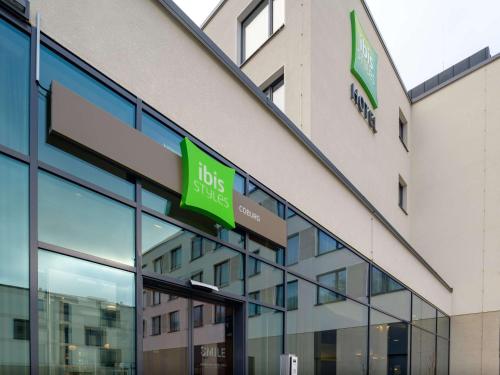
{"x": 177, "y": 200}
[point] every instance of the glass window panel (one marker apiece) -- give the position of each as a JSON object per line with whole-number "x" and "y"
{"x": 162, "y": 134}
{"x": 443, "y": 325}
{"x": 265, "y": 340}
{"x": 278, "y": 14}
{"x": 292, "y": 249}
{"x": 55, "y": 67}
{"x": 423, "y": 348}
{"x": 168, "y": 204}
{"x": 442, "y": 356}
{"x": 14, "y": 335}
{"x": 265, "y": 200}
{"x": 14, "y": 223}
{"x": 110, "y": 178}
{"x": 220, "y": 265}
{"x": 389, "y": 295}
{"x": 266, "y": 249}
{"x": 329, "y": 338}
{"x": 255, "y": 30}
{"x": 305, "y": 247}
{"x": 239, "y": 183}
{"x": 79, "y": 219}
{"x": 212, "y": 342}
{"x": 279, "y": 95}
{"x": 89, "y": 316}
{"x": 268, "y": 282}
{"x": 292, "y": 295}
{"x": 14, "y": 88}
{"x": 335, "y": 280}
{"x": 423, "y": 314}
{"x": 389, "y": 344}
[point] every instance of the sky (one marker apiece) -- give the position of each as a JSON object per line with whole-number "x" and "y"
{"x": 424, "y": 37}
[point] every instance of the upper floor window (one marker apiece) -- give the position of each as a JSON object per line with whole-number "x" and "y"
{"x": 260, "y": 24}
{"x": 276, "y": 93}
{"x": 403, "y": 130}
{"x": 402, "y": 194}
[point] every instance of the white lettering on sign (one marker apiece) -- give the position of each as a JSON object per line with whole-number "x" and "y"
{"x": 213, "y": 351}
{"x": 250, "y": 214}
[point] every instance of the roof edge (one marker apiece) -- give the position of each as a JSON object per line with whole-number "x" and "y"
{"x": 212, "y": 14}
{"x": 203, "y": 38}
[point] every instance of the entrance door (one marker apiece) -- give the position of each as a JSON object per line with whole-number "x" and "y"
{"x": 187, "y": 335}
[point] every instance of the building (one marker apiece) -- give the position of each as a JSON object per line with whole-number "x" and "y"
{"x": 351, "y": 217}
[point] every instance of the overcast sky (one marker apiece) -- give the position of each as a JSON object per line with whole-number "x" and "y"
{"x": 424, "y": 37}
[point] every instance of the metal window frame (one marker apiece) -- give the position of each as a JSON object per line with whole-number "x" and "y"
{"x": 140, "y": 107}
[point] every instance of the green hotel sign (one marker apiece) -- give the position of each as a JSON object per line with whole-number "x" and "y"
{"x": 207, "y": 185}
{"x": 364, "y": 60}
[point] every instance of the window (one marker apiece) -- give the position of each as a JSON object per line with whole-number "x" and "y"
{"x": 198, "y": 276}
{"x": 253, "y": 309}
{"x": 156, "y": 297}
{"x": 88, "y": 289}
{"x": 175, "y": 259}
{"x": 390, "y": 295}
{"x": 293, "y": 249}
{"x": 156, "y": 325}
{"x": 335, "y": 280}
{"x": 174, "y": 321}
{"x": 79, "y": 219}
{"x": 276, "y": 93}
{"x": 198, "y": 316}
{"x": 66, "y": 312}
{"x": 161, "y": 134}
{"x": 196, "y": 247}
{"x": 292, "y": 295}
{"x": 253, "y": 265}
{"x": 220, "y": 314}
{"x": 266, "y": 249}
{"x": 403, "y": 130}
{"x": 327, "y": 243}
{"x": 110, "y": 316}
{"x": 158, "y": 265}
{"x": 383, "y": 283}
{"x": 221, "y": 271}
{"x": 94, "y": 336}
{"x": 280, "y": 297}
{"x": 110, "y": 357}
{"x": 402, "y": 194}
{"x": 21, "y": 329}
{"x": 260, "y": 24}
{"x": 14, "y": 88}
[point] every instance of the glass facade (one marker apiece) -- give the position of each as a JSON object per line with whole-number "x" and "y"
{"x": 99, "y": 233}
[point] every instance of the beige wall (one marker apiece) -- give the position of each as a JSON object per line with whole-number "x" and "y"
{"x": 139, "y": 45}
{"x": 456, "y": 186}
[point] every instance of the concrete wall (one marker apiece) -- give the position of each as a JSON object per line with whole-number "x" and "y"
{"x": 456, "y": 189}
{"x": 139, "y": 45}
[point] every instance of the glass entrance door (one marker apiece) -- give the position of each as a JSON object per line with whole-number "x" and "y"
{"x": 184, "y": 335}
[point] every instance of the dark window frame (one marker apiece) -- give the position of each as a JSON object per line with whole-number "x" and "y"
{"x": 332, "y": 290}
{"x": 198, "y": 320}
{"x": 218, "y": 275}
{"x": 156, "y": 325}
{"x": 173, "y": 265}
{"x": 174, "y": 325}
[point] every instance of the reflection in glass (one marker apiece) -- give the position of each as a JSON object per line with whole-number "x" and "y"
{"x": 168, "y": 204}
{"x": 167, "y": 250}
{"x": 79, "y": 219}
{"x": 86, "y": 317}
{"x": 265, "y": 200}
{"x": 278, "y": 14}
{"x": 14, "y": 88}
{"x": 389, "y": 295}
{"x": 442, "y": 356}
{"x": 266, "y": 249}
{"x": 330, "y": 338}
{"x": 165, "y": 342}
{"x": 14, "y": 335}
{"x": 161, "y": 134}
{"x": 443, "y": 325}
{"x": 314, "y": 253}
{"x": 14, "y": 223}
{"x": 423, "y": 358}
{"x": 55, "y": 67}
{"x": 389, "y": 342}
{"x": 423, "y": 314}
{"x": 266, "y": 285}
{"x": 212, "y": 339}
{"x": 84, "y": 169}
{"x": 265, "y": 340}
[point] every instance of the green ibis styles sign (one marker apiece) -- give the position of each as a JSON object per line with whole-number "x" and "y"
{"x": 364, "y": 60}
{"x": 207, "y": 185}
